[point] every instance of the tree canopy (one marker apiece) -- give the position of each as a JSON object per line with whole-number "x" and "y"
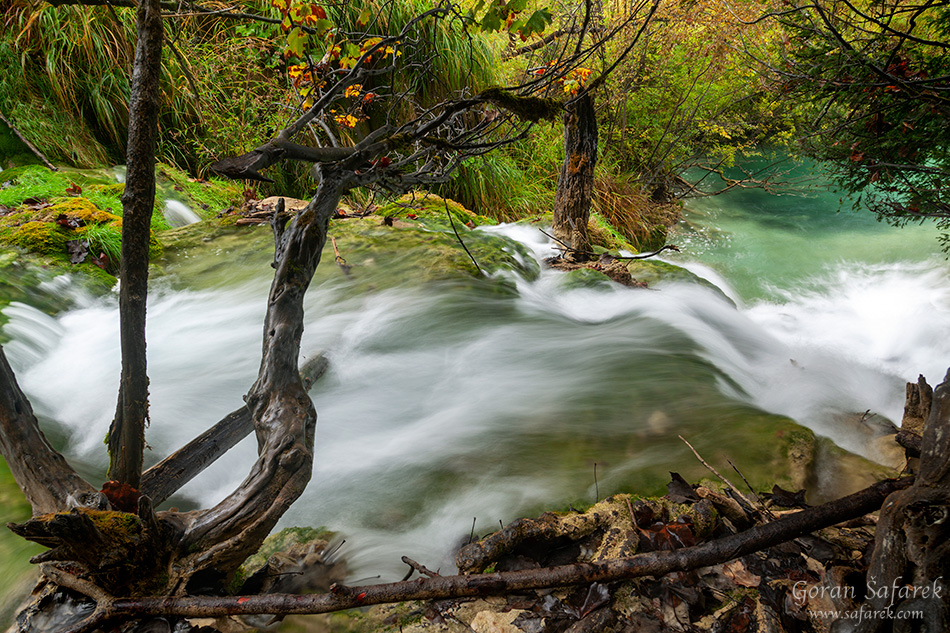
{"x": 872, "y": 84}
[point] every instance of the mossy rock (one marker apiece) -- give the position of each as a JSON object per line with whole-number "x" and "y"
{"x": 282, "y": 541}
{"x": 655, "y": 239}
{"x": 652, "y": 271}
{"x": 45, "y": 238}
{"x": 426, "y": 207}
{"x": 99, "y": 205}
{"x": 377, "y": 256}
{"x": 586, "y": 278}
{"x": 79, "y": 209}
{"x": 206, "y": 197}
{"x": 603, "y": 234}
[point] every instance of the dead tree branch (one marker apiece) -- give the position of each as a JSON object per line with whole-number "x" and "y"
{"x": 441, "y": 587}
{"x": 168, "y": 476}
{"x": 41, "y": 473}
{"x": 127, "y": 432}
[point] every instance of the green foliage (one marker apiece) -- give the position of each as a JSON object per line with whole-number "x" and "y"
{"x": 497, "y": 186}
{"x": 67, "y": 68}
{"x": 104, "y": 238}
{"x": 509, "y": 16}
{"x": 687, "y": 95}
{"x": 871, "y": 90}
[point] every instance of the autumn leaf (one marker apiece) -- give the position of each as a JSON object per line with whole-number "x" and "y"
{"x": 67, "y": 222}
{"x": 77, "y": 250}
{"x": 122, "y": 496}
{"x": 737, "y": 572}
{"x": 296, "y": 41}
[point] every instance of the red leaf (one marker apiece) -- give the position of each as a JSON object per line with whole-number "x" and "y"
{"x": 669, "y": 536}
{"x": 73, "y": 189}
{"x": 67, "y": 222}
{"x": 123, "y": 497}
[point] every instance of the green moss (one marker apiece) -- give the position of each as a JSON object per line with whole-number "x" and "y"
{"x": 432, "y": 207}
{"x": 528, "y": 108}
{"x": 652, "y": 271}
{"x": 79, "y": 209}
{"x": 206, "y": 197}
{"x": 281, "y": 541}
{"x": 409, "y": 253}
{"x": 586, "y": 278}
{"x": 36, "y": 181}
{"x": 602, "y": 233}
{"x": 122, "y": 526}
{"x": 39, "y": 237}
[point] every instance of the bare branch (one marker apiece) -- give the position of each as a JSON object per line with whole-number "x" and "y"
{"x": 656, "y": 563}
{"x": 168, "y": 476}
{"x": 41, "y": 473}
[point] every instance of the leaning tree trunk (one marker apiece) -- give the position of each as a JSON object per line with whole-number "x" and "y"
{"x": 576, "y": 183}
{"x": 912, "y": 542}
{"x": 127, "y": 433}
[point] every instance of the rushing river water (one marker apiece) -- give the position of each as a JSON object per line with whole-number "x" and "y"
{"x": 451, "y": 402}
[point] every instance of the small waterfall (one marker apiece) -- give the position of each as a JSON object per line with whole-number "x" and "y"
{"x": 179, "y": 214}
{"x": 443, "y": 404}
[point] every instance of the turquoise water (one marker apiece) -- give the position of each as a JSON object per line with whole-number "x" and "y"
{"x": 451, "y": 402}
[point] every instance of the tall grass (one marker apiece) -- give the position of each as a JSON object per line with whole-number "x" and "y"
{"x": 65, "y": 73}
{"x": 104, "y": 238}
{"x": 620, "y": 200}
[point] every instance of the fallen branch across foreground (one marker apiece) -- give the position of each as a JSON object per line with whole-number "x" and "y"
{"x": 340, "y": 597}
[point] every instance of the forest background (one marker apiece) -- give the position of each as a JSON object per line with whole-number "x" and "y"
{"x": 689, "y": 89}
{"x": 860, "y": 86}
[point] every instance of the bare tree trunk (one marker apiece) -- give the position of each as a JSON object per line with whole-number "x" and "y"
{"x": 283, "y": 414}
{"x": 127, "y": 433}
{"x": 912, "y": 542}
{"x": 576, "y": 183}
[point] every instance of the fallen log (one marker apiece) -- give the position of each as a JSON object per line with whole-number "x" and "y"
{"x": 168, "y": 476}
{"x": 341, "y": 597}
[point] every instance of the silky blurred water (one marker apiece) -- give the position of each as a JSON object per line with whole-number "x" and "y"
{"x": 458, "y": 401}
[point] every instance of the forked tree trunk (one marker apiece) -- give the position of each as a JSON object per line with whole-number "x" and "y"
{"x": 148, "y": 553}
{"x": 576, "y": 183}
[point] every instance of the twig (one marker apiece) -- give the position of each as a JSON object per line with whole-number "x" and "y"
{"x": 103, "y": 599}
{"x": 419, "y": 567}
{"x": 633, "y": 518}
{"x": 596, "y": 486}
{"x": 339, "y": 258}
{"x": 748, "y": 501}
{"x": 749, "y": 486}
{"x": 658, "y": 563}
{"x": 667, "y": 247}
{"x": 459, "y": 237}
{"x": 32, "y": 147}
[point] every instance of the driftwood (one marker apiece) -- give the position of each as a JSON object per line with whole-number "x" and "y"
{"x": 437, "y": 587}
{"x": 48, "y": 482}
{"x": 168, "y": 476}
